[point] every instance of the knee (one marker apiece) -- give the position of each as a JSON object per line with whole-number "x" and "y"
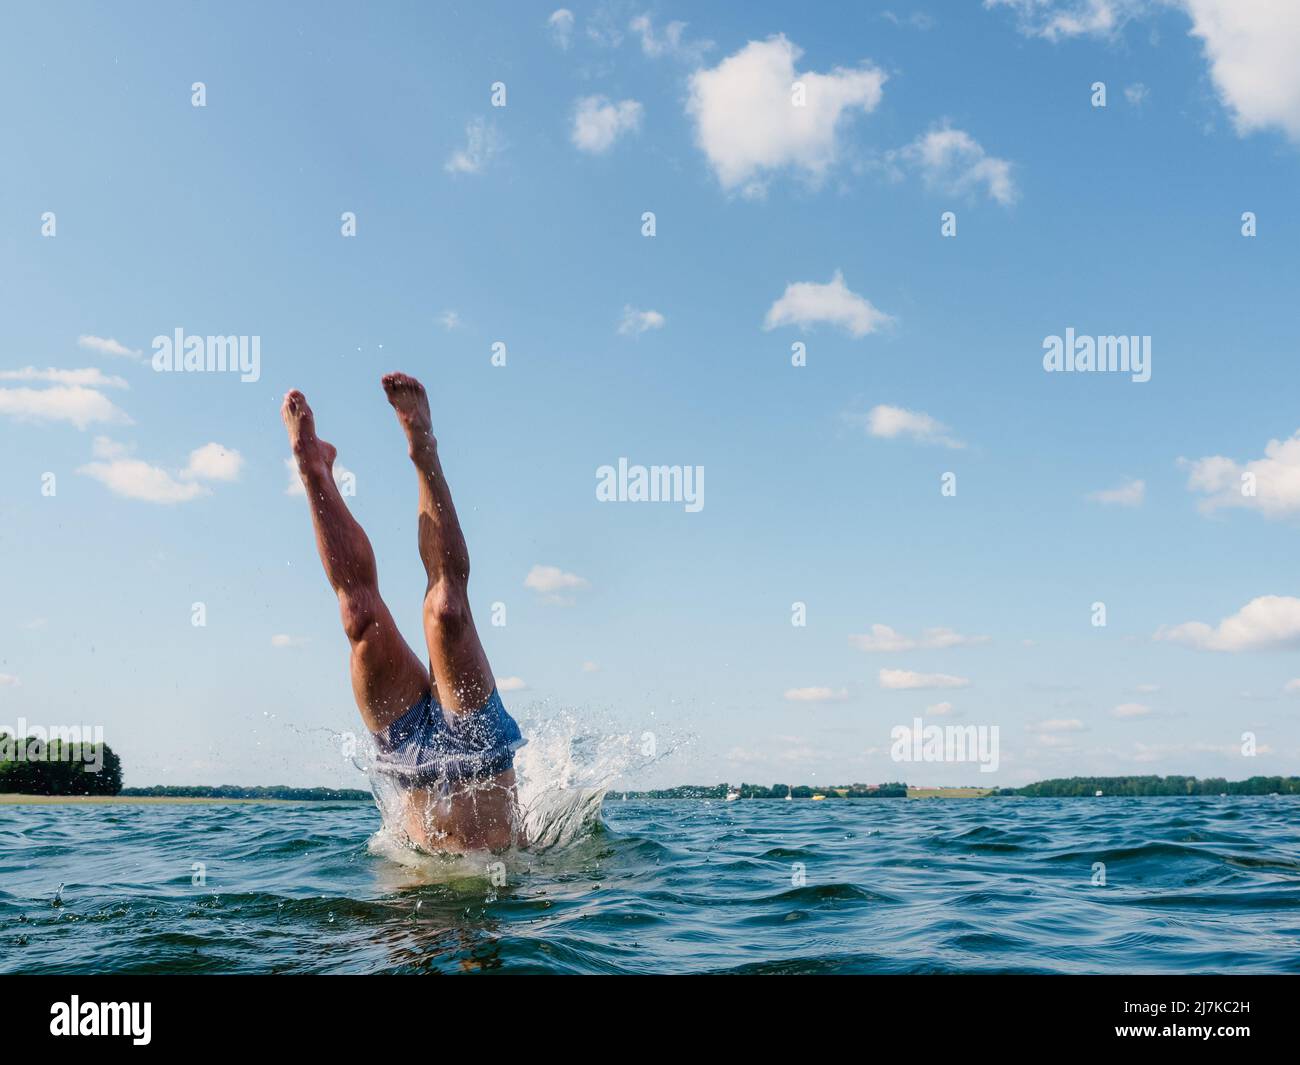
{"x": 359, "y": 609}
{"x": 446, "y": 607}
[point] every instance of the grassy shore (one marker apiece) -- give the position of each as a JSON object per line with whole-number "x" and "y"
{"x": 148, "y": 800}
{"x": 949, "y": 793}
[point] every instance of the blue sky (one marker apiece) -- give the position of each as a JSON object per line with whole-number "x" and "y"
{"x": 522, "y": 225}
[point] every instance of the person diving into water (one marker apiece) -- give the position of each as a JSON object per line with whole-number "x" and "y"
{"x": 440, "y": 732}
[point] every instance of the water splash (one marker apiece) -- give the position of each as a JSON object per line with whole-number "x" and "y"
{"x": 570, "y": 760}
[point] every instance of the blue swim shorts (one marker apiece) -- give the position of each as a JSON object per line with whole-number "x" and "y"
{"x": 427, "y": 746}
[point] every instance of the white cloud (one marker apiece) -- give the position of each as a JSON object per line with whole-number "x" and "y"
{"x": 282, "y": 639}
{"x": 748, "y": 126}
{"x": 1136, "y": 94}
{"x": 561, "y": 26}
{"x": 212, "y": 462}
{"x": 295, "y": 487}
{"x": 1275, "y": 479}
{"x": 90, "y": 377}
{"x": 882, "y": 638}
{"x": 806, "y": 303}
{"x": 136, "y": 479}
{"x": 1128, "y": 494}
{"x": 550, "y": 580}
{"x": 953, "y": 162}
{"x": 906, "y": 680}
{"x": 943, "y": 709}
{"x": 671, "y": 43}
{"x": 1056, "y": 724}
{"x": 1292, "y": 687}
{"x": 917, "y": 20}
{"x": 590, "y": 667}
{"x": 1267, "y": 622}
{"x": 8, "y": 680}
{"x": 890, "y": 423}
{"x": 482, "y": 145}
{"x": 1147, "y": 689}
{"x": 107, "y": 346}
{"x": 511, "y": 684}
{"x": 816, "y": 695}
{"x": 1071, "y": 18}
{"x": 449, "y": 320}
{"x": 635, "y": 322}
{"x": 62, "y": 403}
{"x": 598, "y": 123}
{"x": 1130, "y": 710}
{"x": 1250, "y": 46}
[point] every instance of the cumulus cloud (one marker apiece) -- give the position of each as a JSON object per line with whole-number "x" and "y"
{"x": 944, "y": 709}
{"x": 598, "y": 122}
{"x": 107, "y": 346}
{"x": 1128, "y": 494}
{"x": 747, "y": 122}
{"x": 883, "y": 639}
{"x": 561, "y": 26}
{"x": 1265, "y": 623}
{"x": 283, "y": 639}
{"x": 449, "y": 320}
{"x": 889, "y": 423}
{"x": 134, "y": 478}
{"x": 672, "y": 42}
{"x": 1270, "y": 485}
{"x": 952, "y": 161}
{"x": 907, "y": 680}
{"x": 552, "y": 582}
{"x": 1249, "y": 45}
{"x": 90, "y": 377}
{"x": 212, "y": 462}
{"x": 816, "y": 695}
{"x": 482, "y": 145}
{"x": 1126, "y": 711}
{"x": 806, "y": 303}
{"x": 76, "y": 404}
{"x": 511, "y": 684}
{"x": 635, "y": 322}
{"x": 1071, "y": 18}
{"x": 1136, "y": 94}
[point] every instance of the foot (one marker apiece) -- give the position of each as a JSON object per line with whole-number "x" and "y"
{"x": 310, "y": 452}
{"x": 407, "y": 396}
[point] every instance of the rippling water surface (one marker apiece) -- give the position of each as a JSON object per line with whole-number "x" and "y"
{"x": 982, "y": 885}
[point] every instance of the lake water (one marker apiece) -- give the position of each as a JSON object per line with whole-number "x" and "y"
{"x": 898, "y": 886}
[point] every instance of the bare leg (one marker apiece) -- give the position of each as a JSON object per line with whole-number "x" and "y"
{"x": 458, "y": 662}
{"x": 387, "y": 677}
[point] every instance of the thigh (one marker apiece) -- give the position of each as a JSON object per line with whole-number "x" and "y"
{"x": 387, "y": 676}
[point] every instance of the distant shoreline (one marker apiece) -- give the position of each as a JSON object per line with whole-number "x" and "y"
{"x": 13, "y": 799}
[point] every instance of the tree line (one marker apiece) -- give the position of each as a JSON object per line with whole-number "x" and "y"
{"x": 33, "y": 766}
